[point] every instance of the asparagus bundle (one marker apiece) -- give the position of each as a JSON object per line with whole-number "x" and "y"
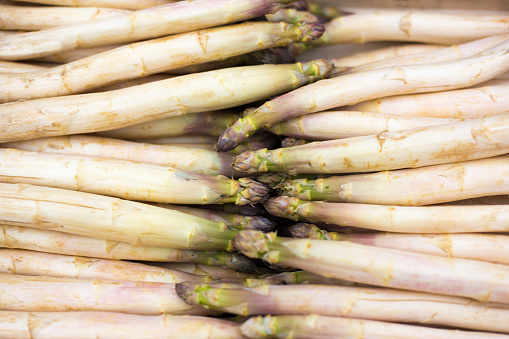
{"x": 53, "y": 294}
{"x": 38, "y": 17}
{"x": 126, "y": 179}
{"x": 417, "y": 186}
{"x": 484, "y": 247}
{"x": 72, "y": 244}
{"x": 56, "y": 265}
{"x": 348, "y": 301}
{"x": 122, "y": 4}
{"x": 417, "y": 147}
{"x": 108, "y": 218}
{"x": 387, "y": 218}
{"x": 153, "y": 56}
{"x": 194, "y": 160}
{"x": 92, "y": 325}
{"x": 160, "y": 99}
{"x": 352, "y": 88}
{"x": 322, "y": 327}
{"x": 381, "y": 266}
{"x": 178, "y": 17}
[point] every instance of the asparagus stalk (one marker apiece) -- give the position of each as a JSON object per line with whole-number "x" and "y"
{"x": 200, "y": 140}
{"x": 54, "y": 294}
{"x": 325, "y": 12}
{"x": 153, "y": 56}
{"x": 122, "y": 4}
{"x": 413, "y": 187}
{"x": 32, "y": 18}
{"x": 77, "y": 54}
{"x": 381, "y": 266}
{"x": 471, "y": 103}
{"x": 330, "y": 125}
{"x": 182, "y": 158}
{"x": 417, "y": 147}
{"x": 57, "y": 265}
{"x": 157, "y": 100}
{"x": 415, "y": 26}
{"x": 71, "y": 244}
{"x": 220, "y": 273}
{"x": 349, "y": 302}
{"x": 292, "y": 15}
{"x": 108, "y": 218}
{"x": 403, "y": 219}
{"x": 321, "y": 327}
{"x": 352, "y": 88}
{"x": 91, "y": 325}
{"x": 19, "y": 67}
{"x": 484, "y": 247}
{"x": 126, "y": 179}
{"x": 251, "y": 210}
{"x": 172, "y": 18}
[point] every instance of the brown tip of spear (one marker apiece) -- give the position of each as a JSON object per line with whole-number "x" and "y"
{"x": 300, "y": 230}
{"x": 251, "y": 243}
{"x": 314, "y": 30}
{"x": 252, "y": 191}
{"x": 243, "y": 161}
{"x": 185, "y": 290}
{"x": 280, "y": 207}
{"x": 242, "y": 264}
{"x": 259, "y": 223}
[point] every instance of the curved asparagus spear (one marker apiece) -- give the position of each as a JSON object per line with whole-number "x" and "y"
{"x": 352, "y": 88}
{"x": 323, "y": 327}
{"x": 19, "y": 67}
{"x": 143, "y": 24}
{"x": 417, "y": 147}
{"x": 291, "y": 15}
{"x": 381, "y": 266}
{"x": 108, "y": 218}
{"x": 126, "y": 179}
{"x": 417, "y": 186}
{"x": 484, "y": 247}
{"x": 122, "y": 4}
{"x": 412, "y": 26}
{"x": 348, "y": 302}
{"x": 72, "y": 244}
{"x": 88, "y": 325}
{"x": 57, "y": 265}
{"x": 157, "y": 100}
{"x": 404, "y": 219}
{"x": 153, "y": 56}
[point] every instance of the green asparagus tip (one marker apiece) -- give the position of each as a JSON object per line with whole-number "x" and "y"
{"x": 271, "y": 179}
{"x": 311, "y": 30}
{"x": 251, "y": 243}
{"x": 281, "y": 207}
{"x": 252, "y": 192}
{"x": 244, "y": 161}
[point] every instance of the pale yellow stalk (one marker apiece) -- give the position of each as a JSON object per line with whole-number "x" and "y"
{"x": 70, "y": 56}
{"x": 122, "y": 4}
{"x": 224, "y": 274}
{"x": 19, "y": 67}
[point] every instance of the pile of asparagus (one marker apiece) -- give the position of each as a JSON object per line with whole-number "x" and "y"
{"x": 168, "y": 169}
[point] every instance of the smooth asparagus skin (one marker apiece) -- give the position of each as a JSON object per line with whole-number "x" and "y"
{"x": 181, "y": 95}
{"x": 412, "y": 148}
{"x": 389, "y": 218}
{"x": 349, "y": 302}
{"x": 219, "y": 273}
{"x": 477, "y": 246}
{"x": 322, "y": 327}
{"x": 411, "y": 187}
{"x": 350, "y": 89}
{"x": 152, "y": 56}
{"x": 381, "y": 266}
{"x": 122, "y": 4}
{"x": 92, "y": 325}
{"x": 108, "y": 218}
{"x": 143, "y": 24}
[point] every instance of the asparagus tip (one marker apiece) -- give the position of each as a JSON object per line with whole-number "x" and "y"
{"x": 259, "y": 223}
{"x": 225, "y": 144}
{"x": 300, "y": 5}
{"x": 185, "y": 290}
{"x": 312, "y": 31}
{"x": 290, "y": 142}
{"x": 242, "y": 264}
{"x": 251, "y": 243}
{"x": 252, "y": 192}
{"x": 300, "y": 230}
{"x": 272, "y": 179}
{"x": 244, "y": 161}
{"x": 281, "y": 207}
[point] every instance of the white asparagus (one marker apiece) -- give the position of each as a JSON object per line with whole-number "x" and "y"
{"x": 150, "y": 57}
{"x": 54, "y": 294}
{"x": 34, "y": 263}
{"x": 19, "y": 67}
{"x": 172, "y": 18}
{"x": 112, "y": 325}
{"x": 181, "y": 95}
{"x": 122, "y": 4}
{"x": 32, "y": 18}
{"x": 195, "y": 160}
{"x": 77, "y": 54}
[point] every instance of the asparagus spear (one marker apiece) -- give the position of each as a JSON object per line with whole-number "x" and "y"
{"x": 322, "y": 327}
{"x": 348, "y": 302}
{"x": 330, "y": 125}
{"x": 381, "y": 266}
{"x": 178, "y": 17}
{"x": 157, "y": 100}
{"x": 77, "y": 54}
{"x": 19, "y": 67}
{"x": 153, "y": 56}
{"x": 352, "y": 88}
{"x": 417, "y": 147}
{"x": 122, "y": 4}
{"x": 403, "y": 219}
{"x": 108, "y": 218}
{"x": 448, "y": 28}
{"x": 291, "y": 15}
{"x": 484, "y": 247}
{"x": 251, "y": 210}
{"x": 57, "y": 265}
{"x": 220, "y": 273}
{"x": 71, "y": 244}
{"x": 126, "y": 179}
{"x": 54, "y": 294}
{"x": 417, "y": 186}
{"x": 32, "y": 18}
{"x": 91, "y": 325}
{"x": 325, "y": 12}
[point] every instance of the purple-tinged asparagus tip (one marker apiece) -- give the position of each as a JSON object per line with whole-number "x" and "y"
{"x": 312, "y": 30}
{"x": 271, "y": 180}
{"x": 290, "y": 142}
{"x": 252, "y": 192}
{"x": 185, "y": 290}
{"x": 225, "y": 143}
{"x": 259, "y": 223}
{"x": 243, "y": 162}
{"x": 300, "y": 5}
{"x": 281, "y": 207}
{"x": 251, "y": 243}
{"x": 300, "y": 230}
